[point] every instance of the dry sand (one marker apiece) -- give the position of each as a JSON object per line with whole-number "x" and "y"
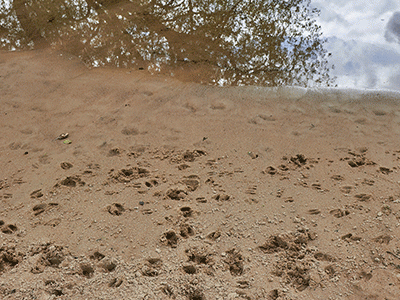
{"x": 173, "y": 190}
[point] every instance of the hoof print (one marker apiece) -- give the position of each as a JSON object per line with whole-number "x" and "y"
{"x": 222, "y": 197}
{"x": 270, "y": 170}
{"x": 183, "y": 167}
{"x": 351, "y": 237}
{"x": 8, "y": 229}
{"x": 196, "y": 295}
{"x": 338, "y": 213}
{"x": 115, "y": 282}
{"x": 42, "y": 207}
{"x": 114, "y": 152}
{"x": 201, "y": 199}
{"x": 115, "y": 209}
{"x": 385, "y": 170}
{"x": 323, "y": 257}
{"x": 127, "y": 175}
{"x": 9, "y": 258}
{"x": 152, "y": 267}
{"x": 186, "y": 230}
{"x": 170, "y": 238}
{"x": 71, "y": 181}
{"x": 86, "y": 270}
{"x": 363, "y": 197}
{"x": 235, "y": 262}
{"x": 108, "y": 266}
{"x": 337, "y": 177}
{"x": 214, "y": 235}
{"x": 199, "y": 255}
{"x": 189, "y": 269}
{"x": 66, "y": 165}
{"x": 36, "y": 194}
{"x": 97, "y": 256}
{"x": 314, "y": 211}
{"x": 130, "y": 131}
{"x": 176, "y": 194}
{"x": 192, "y": 182}
{"x": 151, "y": 183}
{"x": 186, "y": 211}
{"x": 299, "y": 160}
{"x": 383, "y": 239}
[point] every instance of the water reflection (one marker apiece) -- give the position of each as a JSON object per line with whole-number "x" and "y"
{"x": 227, "y": 42}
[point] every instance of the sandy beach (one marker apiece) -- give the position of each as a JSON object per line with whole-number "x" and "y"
{"x": 115, "y": 184}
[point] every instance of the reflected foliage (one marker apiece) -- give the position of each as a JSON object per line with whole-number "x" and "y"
{"x": 226, "y": 42}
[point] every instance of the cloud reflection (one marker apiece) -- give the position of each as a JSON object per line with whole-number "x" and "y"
{"x": 392, "y": 32}
{"x": 234, "y": 42}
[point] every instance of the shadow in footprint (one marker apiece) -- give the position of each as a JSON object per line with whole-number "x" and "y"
{"x": 115, "y": 209}
{"x": 170, "y": 238}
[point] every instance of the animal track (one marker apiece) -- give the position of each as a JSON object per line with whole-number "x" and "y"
{"x": 42, "y": 207}
{"x": 323, "y": 257}
{"x": 270, "y": 170}
{"x": 115, "y": 209}
{"x": 176, "y": 194}
{"x": 7, "y": 228}
{"x": 385, "y": 170}
{"x": 186, "y": 230}
{"x": 251, "y": 190}
{"x": 151, "y": 183}
{"x": 337, "y": 177}
{"x": 108, "y": 266}
{"x": 127, "y": 175}
{"x": 291, "y": 242}
{"x": 152, "y": 267}
{"x": 97, "y": 256}
{"x": 214, "y": 235}
{"x": 299, "y": 160}
{"x": 9, "y": 258}
{"x": 115, "y": 282}
{"x": 351, "y": 237}
{"x": 383, "y": 239}
{"x": 199, "y": 255}
{"x": 71, "y": 181}
{"x": 338, "y": 213}
{"x": 235, "y": 262}
{"x": 186, "y": 211}
{"x": 196, "y": 295}
{"x": 192, "y": 182}
{"x": 36, "y": 194}
{"x": 314, "y": 211}
{"x": 358, "y": 158}
{"x": 362, "y": 197}
{"x": 86, "y": 270}
{"x": 221, "y": 197}
{"x": 293, "y": 264}
{"x": 50, "y": 256}
{"x": 346, "y": 189}
{"x": 170, "y": 238}
{"x": 66, "y": 165}
{"x": 189, "y": 269}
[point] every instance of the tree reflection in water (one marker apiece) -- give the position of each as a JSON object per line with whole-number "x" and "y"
{"x": 226, "y": 42}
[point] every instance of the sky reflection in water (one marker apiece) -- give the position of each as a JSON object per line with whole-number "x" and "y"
{"x": 268, "y": 43}
{"x": 364, "y": 38}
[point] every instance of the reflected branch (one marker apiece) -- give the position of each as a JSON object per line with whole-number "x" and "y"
{"x": 226, "y": 42}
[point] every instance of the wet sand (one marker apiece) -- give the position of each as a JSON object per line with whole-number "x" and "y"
{"x": 173, "y": 190}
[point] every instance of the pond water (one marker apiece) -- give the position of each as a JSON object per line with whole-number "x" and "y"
{"x": 221, "y": 42}
{"x": 364, "y": 38}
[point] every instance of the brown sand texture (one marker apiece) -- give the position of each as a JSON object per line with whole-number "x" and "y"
{"x": 174, "y": 190}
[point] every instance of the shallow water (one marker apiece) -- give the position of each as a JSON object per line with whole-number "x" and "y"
{"x": 221, "y": 42}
